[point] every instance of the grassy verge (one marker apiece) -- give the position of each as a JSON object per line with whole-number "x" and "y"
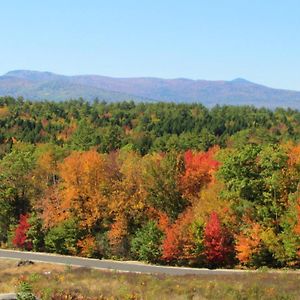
{"x": 61, "y": 282}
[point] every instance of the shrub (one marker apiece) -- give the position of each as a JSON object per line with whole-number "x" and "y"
{"x": 25, "y": 291}
{"x": 146, "y": 245}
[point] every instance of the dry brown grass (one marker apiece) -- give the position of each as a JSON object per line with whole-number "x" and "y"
{"x": 79, "y": 283}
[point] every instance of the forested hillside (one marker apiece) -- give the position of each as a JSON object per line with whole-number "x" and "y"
{"x": 158, "y": 182}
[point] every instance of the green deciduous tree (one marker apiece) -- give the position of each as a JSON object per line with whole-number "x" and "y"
{"x": 146, "y": 244}
{"x": 63, "y": 238}
{"x": 162, "y": 185}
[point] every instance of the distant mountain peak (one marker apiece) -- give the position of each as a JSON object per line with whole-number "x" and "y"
{"x": 241, "y": 80}
{"x": 32, "y": 75}
{"x": 25, "y": 72}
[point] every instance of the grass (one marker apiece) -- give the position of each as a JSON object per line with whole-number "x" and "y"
{"x": 65, "y": 282}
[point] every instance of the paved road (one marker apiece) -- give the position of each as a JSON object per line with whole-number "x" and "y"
{"x": 110, "y": 265}
{"x": 105, "y": 264}
{"x": 11, "y": 296}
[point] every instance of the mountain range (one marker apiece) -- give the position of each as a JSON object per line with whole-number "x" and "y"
{"x": 35, "y": 85}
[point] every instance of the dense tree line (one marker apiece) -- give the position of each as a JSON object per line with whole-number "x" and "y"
{"x": 141, "y": 127}
{"x": 175, "y": 184}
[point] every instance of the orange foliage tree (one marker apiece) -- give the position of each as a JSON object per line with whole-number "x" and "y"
{"x": 50, "y": 205}
{"x": 199, "y": 171}
{"x": 87, "y": 246}
{"x": 247, "y": 242}
{"x": 117, "y": 236}
{"x": 46, "y": 177}
{"x": 83, "y": 179}
{"x": 179, "y": 243}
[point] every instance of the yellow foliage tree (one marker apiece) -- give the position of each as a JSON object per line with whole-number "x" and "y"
{"x": 128, "y": 195}
{"x": 209, "y": 200}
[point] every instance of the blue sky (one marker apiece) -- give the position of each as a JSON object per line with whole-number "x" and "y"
{"x": 214, "y": 39}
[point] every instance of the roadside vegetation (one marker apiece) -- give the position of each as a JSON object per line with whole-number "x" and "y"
{"x": 59, "y": 282}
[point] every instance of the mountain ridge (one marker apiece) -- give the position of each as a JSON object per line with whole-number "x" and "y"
{"x": 37, "y": 85}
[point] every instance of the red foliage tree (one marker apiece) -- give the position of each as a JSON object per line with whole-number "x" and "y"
{"x": 215, "y": 241}
{"x": 20, "y": 238}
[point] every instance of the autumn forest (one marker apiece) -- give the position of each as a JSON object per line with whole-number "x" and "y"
{"x": 176, "y": 184}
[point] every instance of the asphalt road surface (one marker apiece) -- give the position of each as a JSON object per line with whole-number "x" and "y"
{"x": 135, "y": 267}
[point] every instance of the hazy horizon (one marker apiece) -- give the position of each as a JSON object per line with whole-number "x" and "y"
{"x": 215, "y": 40}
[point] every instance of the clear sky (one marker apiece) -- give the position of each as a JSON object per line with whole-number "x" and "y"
{"x": 201, "y": 39}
